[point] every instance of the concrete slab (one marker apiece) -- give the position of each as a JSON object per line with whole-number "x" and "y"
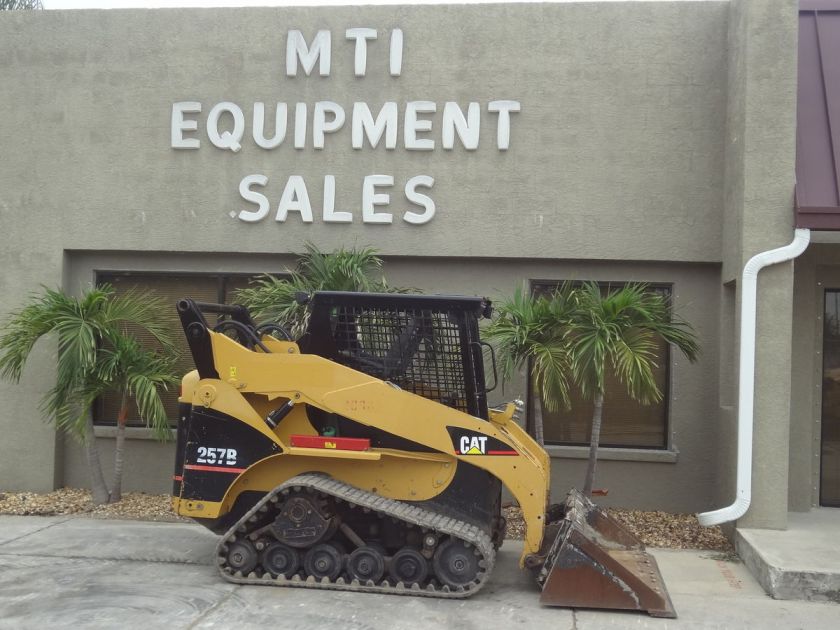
{"x": 704, "y": 613}
{"x": 14, "y": 527}
{"x": 711, "y": 590}
{"x": 801, "y": 562}
{"x": 118, "y": 540}
{"x": 705, "y": 573}
{"x": 71, "y": 592}
{"x": 105, "y": 574}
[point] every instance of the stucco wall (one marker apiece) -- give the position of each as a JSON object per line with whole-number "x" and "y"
{"x": 616, "y": 155}
{"x": 759, "y": 165}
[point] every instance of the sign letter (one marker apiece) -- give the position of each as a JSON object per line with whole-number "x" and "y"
{"x": 295, "y": 199}
{"x": 364, "y": 125}
{"x": 361, "y": 35}
{"x": 370, "y": 199}
{"x": 252, "y": 216}
{"x": 179, "y": 125}
{"x": 413, "y": 125}
{"x": 503, "y": 130}
{"x": 320, "y": 51}
{"x": 424, "y": 201}
{"x": 453, "y": 120}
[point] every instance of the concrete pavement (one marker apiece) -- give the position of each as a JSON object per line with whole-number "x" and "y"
{"x": 800, "y": 562}
{"x": 86, "y": 573}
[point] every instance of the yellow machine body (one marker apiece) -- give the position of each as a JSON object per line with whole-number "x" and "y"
{"x": 251, "y": 390}
{"x": 364, "y": 457}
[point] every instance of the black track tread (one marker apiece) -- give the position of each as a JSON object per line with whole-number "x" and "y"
{"x": 414, "y": 514}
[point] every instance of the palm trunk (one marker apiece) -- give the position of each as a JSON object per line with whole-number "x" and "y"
{"x": 539, "y": 431}
{"x": 593, "y": 444}
{"x": 119, "y": 450}
{"x": 98, "y": 489}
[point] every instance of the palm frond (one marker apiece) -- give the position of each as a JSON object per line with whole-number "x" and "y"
{"x": 273, "y": 299}
{"x": 94, "y": 353}
{"x": 618, "y": 329}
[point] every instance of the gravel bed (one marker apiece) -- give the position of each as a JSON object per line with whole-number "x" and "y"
{"x": 655, "y": 529}
{"x": 75, "y": 502}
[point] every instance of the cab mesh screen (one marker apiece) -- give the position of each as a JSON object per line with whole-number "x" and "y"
{"x": 417, "y": 349}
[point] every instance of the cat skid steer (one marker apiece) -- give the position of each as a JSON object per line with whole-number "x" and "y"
{"x": 363, "y": 456}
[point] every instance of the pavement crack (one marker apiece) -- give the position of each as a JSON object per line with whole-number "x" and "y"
{"x": 100, "y": 559}
{"x": 40, "y": 529}
{"x": 215, "y": 606}
{"x": 574, "y": 619}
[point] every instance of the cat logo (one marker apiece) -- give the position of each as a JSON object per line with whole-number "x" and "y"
{"x": 473, "y": 445}
{"x": 466, "y": 442}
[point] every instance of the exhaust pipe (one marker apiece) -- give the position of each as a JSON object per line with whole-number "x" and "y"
{"x": 746, "y": 377}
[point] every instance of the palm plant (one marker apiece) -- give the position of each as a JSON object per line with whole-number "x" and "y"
{"x": 95, "y": 354}
{"x": 619, "y": 331}
{"x": 15, "y": 5}
{"x": 533, "y": 329}
{"x": 275, "y": 299}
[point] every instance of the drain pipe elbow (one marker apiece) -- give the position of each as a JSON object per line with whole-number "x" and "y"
{"x": 746, "y": 377}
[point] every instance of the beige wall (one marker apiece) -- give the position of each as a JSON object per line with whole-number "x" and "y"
{"x": 758, "y": 215}
{"x": 655, "y": 142}
{"x": 615, "y": 155}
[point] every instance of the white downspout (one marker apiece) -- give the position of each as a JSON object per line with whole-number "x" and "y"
{"x": 746, "y": 378}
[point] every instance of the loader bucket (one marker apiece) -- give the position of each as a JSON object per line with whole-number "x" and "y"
{"x": 594, "y": 562}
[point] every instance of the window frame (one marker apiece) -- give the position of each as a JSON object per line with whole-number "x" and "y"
{"x": 667, "y": 452}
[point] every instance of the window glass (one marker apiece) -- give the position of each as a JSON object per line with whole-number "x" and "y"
{"x": 625, "y": 422}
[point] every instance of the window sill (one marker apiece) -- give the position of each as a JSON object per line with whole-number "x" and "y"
{"x": 664, "y": 456}
{"x": 131, "y": 433}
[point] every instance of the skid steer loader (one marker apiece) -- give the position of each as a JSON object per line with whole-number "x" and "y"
{"x": 363, "y": 457}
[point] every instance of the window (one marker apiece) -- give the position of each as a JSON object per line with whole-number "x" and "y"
{"x": 625, "y": 423}
{"x": 170, "y": 288}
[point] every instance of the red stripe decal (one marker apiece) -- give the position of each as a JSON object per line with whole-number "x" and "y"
{"x": 177, "y": 478}
{"x": 226, "y": 469}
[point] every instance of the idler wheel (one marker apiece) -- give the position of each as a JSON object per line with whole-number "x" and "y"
{"x": 242, "y": 556}
{"x": 323, "y": 561}
{"x": 408, "y": 566}
{"x": 455, "y": 564}
{"x": 280, "y": 559}
{"x": 366, "y": 563}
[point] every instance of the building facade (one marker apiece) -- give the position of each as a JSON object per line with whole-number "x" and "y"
{"x": 477, "y": 148}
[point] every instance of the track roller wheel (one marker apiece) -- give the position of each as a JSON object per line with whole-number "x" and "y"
{"x": 279, "y": 559}
{"x": 366, "y": 563}
{"x": 455, "y": 564}
{"x": 323, "y": 561}
{"x": 242, "y": 556}
{"x": 409, "y": 566}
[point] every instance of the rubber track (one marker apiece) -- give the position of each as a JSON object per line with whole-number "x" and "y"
{"x": 408, "y": 513}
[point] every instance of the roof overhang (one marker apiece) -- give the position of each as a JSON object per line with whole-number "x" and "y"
{"x": 817, "y": 196}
